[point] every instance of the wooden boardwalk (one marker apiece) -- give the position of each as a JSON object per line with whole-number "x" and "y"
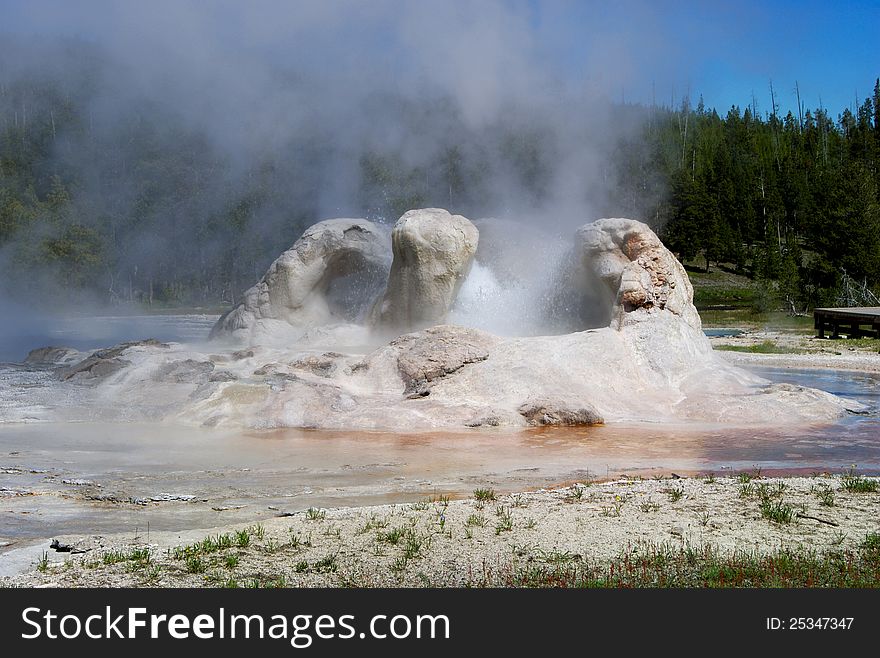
{"x": 852, "y": 322}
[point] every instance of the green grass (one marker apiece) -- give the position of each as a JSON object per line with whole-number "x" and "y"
{"x": 195, "y": 564}
{"x": 857, "y": 484}
{"x": 855, "y": 343}
{"x": 776, "y": 511}
{"x": 505, "y": 521}
{"x": 825, "y": 494}
{"x": 327, "y": 564}
{"x": 675, "y": 493}
{"x": 393, "y": 536}
{"x": 484, "y": 495}
{"x": 314, "y": 514}
{"x": 766, "y": 347}
{"x": 746, "y": 318}
{"x": 662, "y": 565}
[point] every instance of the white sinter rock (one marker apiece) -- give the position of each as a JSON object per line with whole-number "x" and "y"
{"x": 652, "y": 364}
{"x": 297, "y": 292}
{"x": 433, "y": 251}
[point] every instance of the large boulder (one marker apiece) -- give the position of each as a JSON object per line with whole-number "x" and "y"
{"x": 433, "y": 251}
{"x": 332, "y": 274}
{"x": 641, "y": 277}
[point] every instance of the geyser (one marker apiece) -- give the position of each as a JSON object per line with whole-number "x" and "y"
{"x": 650, "y": 362}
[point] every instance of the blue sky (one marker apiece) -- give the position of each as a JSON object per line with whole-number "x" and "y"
{"x": 632, "y": 49}
{"x": 727, "y": 51}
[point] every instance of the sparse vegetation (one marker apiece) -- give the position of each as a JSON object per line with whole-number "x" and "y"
{"x": 476, "y": 520}
{"x": 662, "y": 565}
{"x": 765, "y": 347}
{"x": 505, "y": 521}
{"x": 858, "y": 484}
{"x": 825, "y": 494}
{"x": 675, "y": 493}
{"x": 484, "y": 495}
{"x": 195, "y": 564}
{"x": 776, "y": 511}
{"x": 314, "y": 514}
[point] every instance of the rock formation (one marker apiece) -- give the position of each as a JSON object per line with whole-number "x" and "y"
{"x": 641, "y": 275}
{"x": 652, "y": 364}
{"x": 433, "y": 251}
{"x": 298, "y": 292}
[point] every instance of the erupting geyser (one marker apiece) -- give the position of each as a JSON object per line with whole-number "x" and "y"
{"x": 346, "y": 285}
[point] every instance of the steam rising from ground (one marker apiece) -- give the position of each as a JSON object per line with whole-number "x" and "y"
{"x": 280, "y": 109}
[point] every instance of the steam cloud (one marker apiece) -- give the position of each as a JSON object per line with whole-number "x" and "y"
{"x": 288, "y": 97}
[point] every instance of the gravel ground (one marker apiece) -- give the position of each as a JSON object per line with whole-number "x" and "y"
{"x": 449, "y": 543}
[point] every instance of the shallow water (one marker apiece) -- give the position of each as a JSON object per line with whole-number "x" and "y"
{"x": 94, "y": 332}
{"x": 244, "y": 476}
{"x": 723, "y": 332}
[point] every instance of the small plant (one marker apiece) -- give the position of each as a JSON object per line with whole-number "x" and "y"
{"x": 327, "y": 564}
{"x": 704, "y": 518}
{"x": 258, "y": 531}
{"x": 476, "y": 520}
{"x": 279, "y": 582}
{"x": 413, "y": 547}
{"x": 505, "y": 521}
{"x": 242, "y": 539}
{"x": 113, "y": 557}
{"x": 557, "y": 557}
{"x": 231, "y": 560}
{"x": 442, "y": 500}
{"x": 295, "y": 541}
{"x": 399, "y": 564}
{"x": 871, "y": 545}
{"x": 43, "y": 563}
{"x": 484, "y": 495}
{"x": 649, "y": 506}
{"x": 314, "y": 514}
{"x": 392, "y": 536}
{"x": 152, "y": 574}
{"x": 776, "y": 511}
{"x": 611, "y": 511}
{"x": 531, "y": 524}
{"x": 195, "y": 564}
{"x": 301, "y": 567}
{"x": 574, "y": 494}
{"x": 420, "y": 506}
{"x": 766, "y": 491}
{"x": 857, "y": 484}
{"x": 825, "y": 494}
{"x": 675, "y": 493}
{"x": 141, "y": 555}
{"x": 746, "y": 490}
{"x": 710, "y": 479}
{"x": 744, "y": 478}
